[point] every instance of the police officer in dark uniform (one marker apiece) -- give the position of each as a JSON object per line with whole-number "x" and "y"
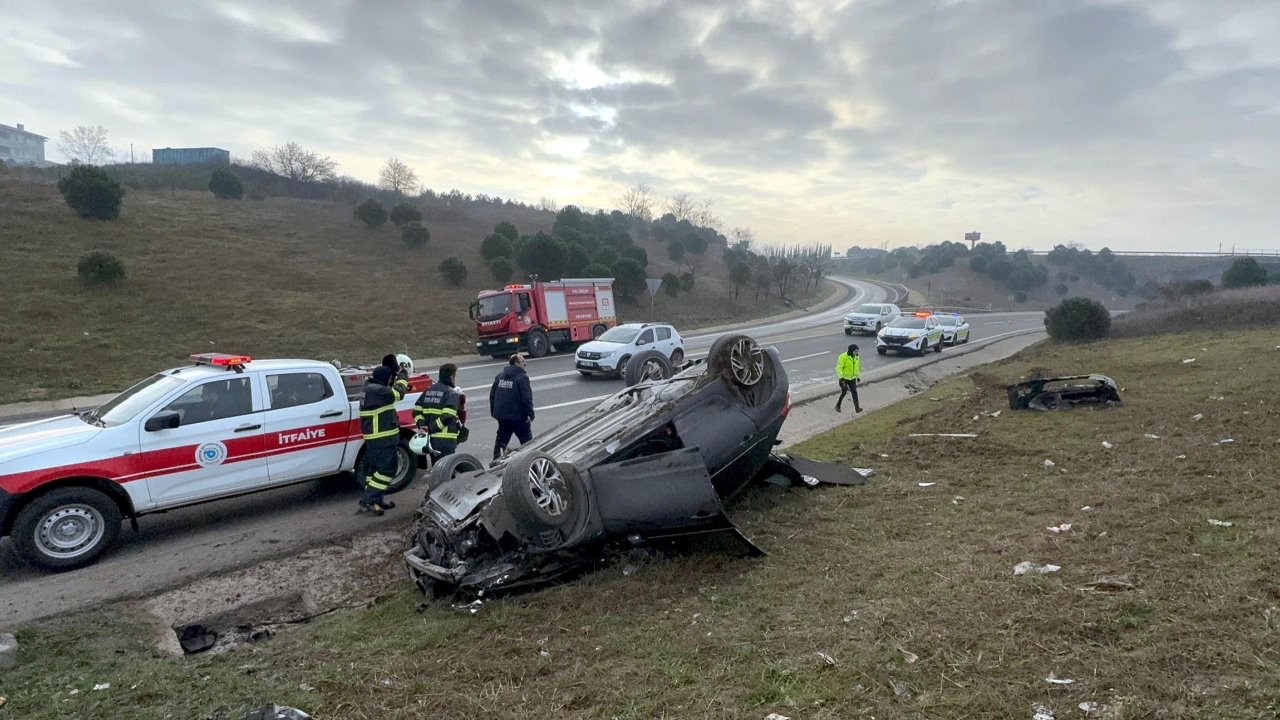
{"x": 437, "y": 411}
{"x": 381, "y": 429}
{"x": 511, "y": 404}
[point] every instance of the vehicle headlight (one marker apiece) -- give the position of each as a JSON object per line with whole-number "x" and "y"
{"x": 913, "y": 336}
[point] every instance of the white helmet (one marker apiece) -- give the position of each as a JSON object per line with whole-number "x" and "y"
{"x": 403, "y": 361}
{"x": 420, "y": 444}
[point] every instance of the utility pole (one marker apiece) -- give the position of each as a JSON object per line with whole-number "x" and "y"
{"x": 130, "y": 153}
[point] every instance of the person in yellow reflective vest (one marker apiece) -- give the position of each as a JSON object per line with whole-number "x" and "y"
{"x": 437, "y": 409}
{"x": 381, "y": 429}
{"x": 848, "y": 368}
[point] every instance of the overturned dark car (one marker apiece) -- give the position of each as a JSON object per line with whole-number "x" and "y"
{"x": 1047, "y": 394}
{"x": 653, "y": 462}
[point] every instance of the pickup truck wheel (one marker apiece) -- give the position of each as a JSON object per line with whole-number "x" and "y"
{"x": 450, "y": 467}
{"x": 537, "y": 344}
{"x": 646, "y": 366}
{"x": 881, "y": 351}
{"x": 540, "y": 495}
{"x": 406, "y": 469}
{"x": 848, "y": 331}
{"x": 67, "y": 528}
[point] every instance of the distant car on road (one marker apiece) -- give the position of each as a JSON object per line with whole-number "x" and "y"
{"x": 955, "y": 329}
{"x": 610, "y": 353}
{"x": 870, "y": 318}
{"x": 915, "y": 333}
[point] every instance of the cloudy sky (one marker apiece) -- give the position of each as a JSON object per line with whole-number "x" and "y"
{"x": 1138, "y": 124}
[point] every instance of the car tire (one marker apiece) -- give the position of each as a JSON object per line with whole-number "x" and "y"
{"x": 621, "y": 371}
{"x": 737, "y": 359}
{"x": 881, "y": 351}
{"x": 67, "y": 528}
{"x": 646, "y": 366}
{"x": 938, "y": 348}
{"x": 406, "y": 469}
{"x": 677, "y": 357}
{"x": 538, "y": 345}
{"x": 541, "y": 496}
{"x": 597, "y": 331}
{"x": 848, "y": 331}
{"x": 450, "y": 467}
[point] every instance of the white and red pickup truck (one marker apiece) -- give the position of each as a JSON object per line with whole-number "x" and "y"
{"x": 222, "y": 426}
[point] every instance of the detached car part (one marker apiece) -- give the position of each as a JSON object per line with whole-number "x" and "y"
{"x": 656, "y": 461}
{"x": 1047, "y": 394}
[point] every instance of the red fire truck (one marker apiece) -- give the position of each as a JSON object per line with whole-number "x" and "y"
{"x": 541, "y": 315}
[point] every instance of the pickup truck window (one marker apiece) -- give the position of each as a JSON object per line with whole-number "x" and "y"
{"x": 213, "y": 401}
{"x": 293, "y": 389}
{"x": 126, "y": 406}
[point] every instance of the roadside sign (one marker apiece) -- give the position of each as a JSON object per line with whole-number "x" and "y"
{"x": 653, "y": 284}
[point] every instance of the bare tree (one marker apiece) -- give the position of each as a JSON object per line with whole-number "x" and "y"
{"x": 638, "y": 201}
{"x": 816, "y": 262}
{"x": 548, "y": 204}
{"x": 682, "y": 206}
{"x": 398, "y": 177}
{"x": 743, "y": 237}
{"x": 295, "y": 163}
{"x": 702, "y": 215}
{"x": 87, "y": 145}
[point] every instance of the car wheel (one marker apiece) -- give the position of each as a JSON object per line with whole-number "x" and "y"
{"x": 597, "y": 331}
{"x": 540, "y": 495}
{"x": 450, "y": 467}
{"x": 406, "y": 469}
{"x": 848, "y": 331}
{"x": 677, "y": 357}
{"x": 621, "y": 370}
{"x": 938, "y": 348}
{"x": 737, "y": 358}
{"x": 881, "y": 351}
{"x": 537, "y": 344}
{"x": 66, "y": 528}
{"x": 647, "y": 366}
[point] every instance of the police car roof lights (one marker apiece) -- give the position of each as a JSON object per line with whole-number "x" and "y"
{"x": 923, "y": 314}
{"x": 231, "y": 362}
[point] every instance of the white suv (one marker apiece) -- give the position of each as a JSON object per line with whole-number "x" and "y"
{"x": 609, "y": 353}
{"x": 870, "y": 318}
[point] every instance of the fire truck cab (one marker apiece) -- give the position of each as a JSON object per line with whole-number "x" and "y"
{"x": 539, "y": 316}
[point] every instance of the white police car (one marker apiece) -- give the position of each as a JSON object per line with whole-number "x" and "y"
{"x": 609, "y": 353}
{"x": 915, "y": 333}
{"x": 955, "y": 329}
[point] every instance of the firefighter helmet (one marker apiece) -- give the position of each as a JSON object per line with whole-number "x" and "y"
{"x": 420, "y": 444}
{"x": 403, "y": 361}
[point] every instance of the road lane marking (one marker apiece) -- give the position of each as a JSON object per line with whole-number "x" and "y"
{"x": 806, "y": 357}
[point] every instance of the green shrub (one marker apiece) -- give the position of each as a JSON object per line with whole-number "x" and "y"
{"x": 596, "y": 270}
{"x": 371, "y": 213}
{"x": 1019, "y": 297}
{"x": 501, "y": 269}
{"x": 1061, "y": 289}
{"x": 1077, "y": 319}
{"x": 506, "y": 230}
{"x": 99, "y": 268}
{"x": 92, "y": 192}
{"x": 628, "y": 278}
{"x": 453, "y": 270}
{"x": 225, "y": 185}
{"x": 414, "y": 234}
{"x": 256, "y": 194}
{"x": 675, "y": 250}
{"x": 671, "y": 284}
{"x": 404, "y": 213}
{"x": 1244, "y": 272}
{"x": 497, "y": 246}
{"x": 637, "y": 253}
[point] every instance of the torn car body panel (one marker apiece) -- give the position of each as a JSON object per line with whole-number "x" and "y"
{"x": 1045, "y": 394}
{"x": 654, "y": 462}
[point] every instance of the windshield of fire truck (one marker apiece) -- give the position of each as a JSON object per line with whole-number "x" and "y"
{"x": 494, "y": 307}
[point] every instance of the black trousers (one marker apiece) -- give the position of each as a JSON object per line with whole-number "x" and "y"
{"x": 507, "y": 428}
{"x": 850, "y": 387}
{"x": 379, "y": 471}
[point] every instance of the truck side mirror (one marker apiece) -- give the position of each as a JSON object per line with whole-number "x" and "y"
{"x": 524, "y": 303}
{"x": 167, "y": 420}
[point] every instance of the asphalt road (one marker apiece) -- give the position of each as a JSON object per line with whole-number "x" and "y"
{"x": 175, "y": 547}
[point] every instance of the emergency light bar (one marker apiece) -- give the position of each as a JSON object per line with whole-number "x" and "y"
{"x": 923, "y": 314}
{"x": 221, "y": 360}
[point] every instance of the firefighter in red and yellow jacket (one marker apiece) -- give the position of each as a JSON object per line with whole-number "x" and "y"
{"x": 381, "y": 429}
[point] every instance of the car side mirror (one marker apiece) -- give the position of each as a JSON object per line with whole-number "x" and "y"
{"x": 167, "y": 420}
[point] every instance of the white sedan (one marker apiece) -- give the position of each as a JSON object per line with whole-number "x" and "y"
{"x": 955, "y": 329}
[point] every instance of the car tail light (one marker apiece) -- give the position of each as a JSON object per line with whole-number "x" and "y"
{"x": 786, "y": 409}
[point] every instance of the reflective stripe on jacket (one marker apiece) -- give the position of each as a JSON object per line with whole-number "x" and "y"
{"x": 848, "y": 366}
{"x": 378, "y": 421}
{"x": 437, "y": 411}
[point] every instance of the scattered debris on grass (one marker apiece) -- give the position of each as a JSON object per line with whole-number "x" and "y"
{"x": 776, "y": 716}
{"x": 1064, "y": 527}
{"x": 1197, "y": 417}
{"x": 1112, "y": 584}
{"x": 8, "y": 652}
{"x": 927, "y": 484}
{"x": 1027, "y": 566}
{"x": 1107, "y": 445}
{"x": 1087, "y": 508}
{"x": 101, "y": 686}
{"x": 1053, "y": 678}
{"x": 957, "y": 500}
{"x": 827, "y": 659}
{"x": 1188, "y": 361}
{"x": 909, "y": 656}
{"x": 1041, "y": 713}
{"x": 1152, "y": 437}
{"x": 1088, "y": 707}
{"x": 1181, "y": 457}
{"x": 865, "y": 472}
{"x": 275, "y": 712}
{"x": 1220, "y": 523}
{"x": 1049, "y": 463}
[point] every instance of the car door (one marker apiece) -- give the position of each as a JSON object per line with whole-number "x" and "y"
{"x": 645, "y": 341}
{"x": 217, "y": 448}
{"x": 306, "y": 425}
{"x": 664, "y": 344}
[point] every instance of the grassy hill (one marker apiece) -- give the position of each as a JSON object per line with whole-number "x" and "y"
{"x": 281, "y": 277}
